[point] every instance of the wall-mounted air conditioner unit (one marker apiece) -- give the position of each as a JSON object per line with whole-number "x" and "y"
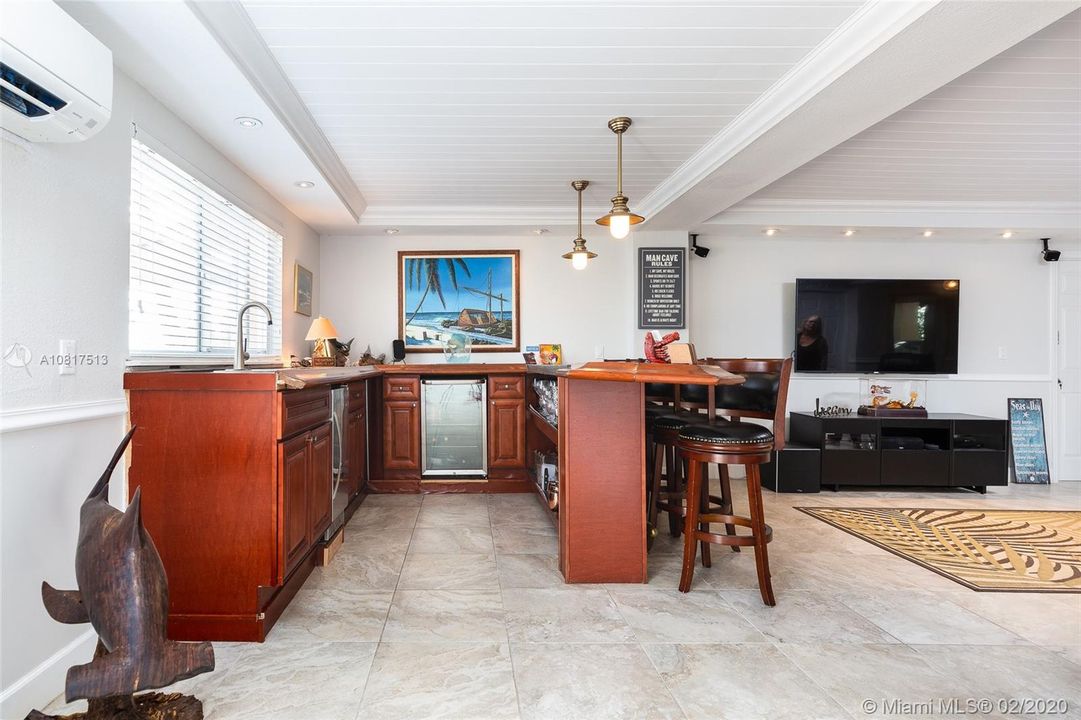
{"x": 56, "y": 79}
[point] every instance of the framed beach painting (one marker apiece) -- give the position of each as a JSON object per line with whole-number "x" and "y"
{"x": 464, "y": 295}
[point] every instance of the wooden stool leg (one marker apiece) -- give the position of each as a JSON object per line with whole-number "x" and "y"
{"x": 703, "y": 507}
{"x": 758, "y": 526}
{"x": 690, "y": 544}
{"x": 726, "y": 500}
{"x": 673, "y": 465}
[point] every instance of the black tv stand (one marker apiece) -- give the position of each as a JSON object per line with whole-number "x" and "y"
{"x": 941, "y": 450}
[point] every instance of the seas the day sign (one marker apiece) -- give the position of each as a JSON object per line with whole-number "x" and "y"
{"x": 661, "y": 287}
{"x": 1028, "y": 443}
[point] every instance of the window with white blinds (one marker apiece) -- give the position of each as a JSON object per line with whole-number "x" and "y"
{"x": 196, "y": 258}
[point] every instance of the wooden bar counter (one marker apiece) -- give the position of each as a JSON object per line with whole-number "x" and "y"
{"x": 602, "y": 465}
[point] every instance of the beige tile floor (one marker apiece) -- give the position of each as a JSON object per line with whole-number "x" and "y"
{"x": 453, "y": 607}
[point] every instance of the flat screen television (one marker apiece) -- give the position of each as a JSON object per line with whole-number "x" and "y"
{"x": 876, "y": 326}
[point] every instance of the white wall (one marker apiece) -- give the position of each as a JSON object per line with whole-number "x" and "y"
{"x": 743, "y": 306}
{"x": 587, "y": 311}
{"x": 63, "y": 272}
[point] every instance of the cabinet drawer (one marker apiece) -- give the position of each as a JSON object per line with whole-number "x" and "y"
{"x": 916, "y": 467}
{"x": 401, "y": 388}
{"x": 356, "y": 394}
{"x": 302, "y": 409}
{"x": 506, "y": 386}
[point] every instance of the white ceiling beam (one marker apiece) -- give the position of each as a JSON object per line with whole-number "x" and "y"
{"x": 231, "y": 26}
{"x": 887, "y": 56}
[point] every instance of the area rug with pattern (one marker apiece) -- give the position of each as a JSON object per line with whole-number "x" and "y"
{"x": 996, "y": 550}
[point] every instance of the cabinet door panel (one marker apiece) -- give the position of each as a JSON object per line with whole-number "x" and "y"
{"x": 401, "y": 435}
{"x": 356, "y": 451}
{"x": 506, "y": 433}
{"x": 320, "y": 481}
{"x": 294, "y": 477}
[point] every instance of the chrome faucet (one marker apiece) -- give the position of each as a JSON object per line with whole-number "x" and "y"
{"x": 241, "y": 352}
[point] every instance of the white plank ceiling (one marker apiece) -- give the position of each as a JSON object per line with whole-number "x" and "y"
{"x": 500, "y": 105}
{"x": 1007, "y": 131}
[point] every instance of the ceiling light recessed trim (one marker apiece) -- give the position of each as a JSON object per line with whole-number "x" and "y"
{"x": 541, "y": 231}
{"x": 849, "y": 232}
{"x": 771, "y": 231}
{"x": 580, "y": 254}
{"x": 391, "y": 231}
{"x": 928, "y": 233}
{"x": 304, "y": 184}
{"x": 620, "y": 218}
{"x": 247, "y": 122}
{"x": 1007, "y": 234}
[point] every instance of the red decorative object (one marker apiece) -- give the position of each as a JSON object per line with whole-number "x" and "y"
{"x": 657, "y": 350}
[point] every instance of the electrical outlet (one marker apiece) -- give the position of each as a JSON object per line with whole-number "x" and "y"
{"x": 1001, "y": 352}
{"x": 598, "y": 352}
{"x": 68, "y": 349}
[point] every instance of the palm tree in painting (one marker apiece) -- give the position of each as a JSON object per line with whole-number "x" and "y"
{"x": 426, "y": 271}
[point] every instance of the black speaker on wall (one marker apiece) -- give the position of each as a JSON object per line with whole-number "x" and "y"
{"x": 399, "y": 350}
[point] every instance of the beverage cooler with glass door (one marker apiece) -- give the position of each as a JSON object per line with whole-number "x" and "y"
{"x": 453, "y": 427}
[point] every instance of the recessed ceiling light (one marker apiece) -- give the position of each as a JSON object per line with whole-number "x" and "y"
{"x": 248, "y": 122}
{"x": 305, "y": 184}
{"x": 771, "y": 231}
{"x": 849, "y": 232}
{"x": 1008, "y": 234}
{"x": 391, "y": 231}
{"x": 928, "y": 233}
{"x": 540, "y": 231}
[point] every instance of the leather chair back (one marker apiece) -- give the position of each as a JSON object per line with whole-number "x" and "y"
{"x": 764, "y": 394}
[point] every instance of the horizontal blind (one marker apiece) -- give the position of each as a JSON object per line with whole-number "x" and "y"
{"x": 196, "y": 259}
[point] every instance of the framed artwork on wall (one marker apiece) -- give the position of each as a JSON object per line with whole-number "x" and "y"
{"x": 303, "y": 282}
{"x": 471, "y": 294}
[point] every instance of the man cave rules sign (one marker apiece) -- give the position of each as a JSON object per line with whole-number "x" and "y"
{"x": 661, "y": 287}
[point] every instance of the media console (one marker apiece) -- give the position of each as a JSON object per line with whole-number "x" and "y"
{"x": 941, "y": 450}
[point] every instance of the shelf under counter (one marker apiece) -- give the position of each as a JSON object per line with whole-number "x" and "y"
{"x": 541, "y": 423}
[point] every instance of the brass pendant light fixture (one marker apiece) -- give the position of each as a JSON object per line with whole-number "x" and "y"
{"x": 580, "y": 255}
{"x": 620, "y": 219}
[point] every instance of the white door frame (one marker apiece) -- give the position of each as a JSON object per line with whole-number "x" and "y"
{"x": 1058, "y": 446}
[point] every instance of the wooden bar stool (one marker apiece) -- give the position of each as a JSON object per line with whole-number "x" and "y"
{"x": 727, "y": 444}
{"x": 667, "y": 466}
{"x": 728, "y": 441}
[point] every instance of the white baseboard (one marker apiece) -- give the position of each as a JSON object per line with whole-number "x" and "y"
{"x": 38, "y": 687}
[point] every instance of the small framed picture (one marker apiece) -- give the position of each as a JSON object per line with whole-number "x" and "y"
{"x": 303, "y": 282}
{"x": 551, "y": 354}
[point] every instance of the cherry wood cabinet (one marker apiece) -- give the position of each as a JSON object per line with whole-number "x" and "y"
{"x": 356, "y": 451}
{"x": 506, "y": 433}
{"x": 401, "y": 435}
{"x": 320, "y": 482}
{"x": 235, "y": 475}
{"x": 295, "y": 463}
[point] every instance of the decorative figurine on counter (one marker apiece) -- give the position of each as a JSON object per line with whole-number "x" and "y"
{"x": 340, "y": 351}
{"x": 124, "y": 594}
{"x": 367, "y": 358}
{"x": 296, "y": 362}
{"x": 657, "y": 350}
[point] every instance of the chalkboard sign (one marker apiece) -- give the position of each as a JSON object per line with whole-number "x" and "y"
{"x": 661, "y": 287}
{"x": 1028, "y": 446}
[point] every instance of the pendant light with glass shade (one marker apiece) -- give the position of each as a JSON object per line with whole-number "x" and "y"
{"x": 620, "y": 219}
{"x": 580, "y": 255}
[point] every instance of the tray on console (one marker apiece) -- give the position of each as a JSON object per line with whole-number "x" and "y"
{"x": 917, "y": 412}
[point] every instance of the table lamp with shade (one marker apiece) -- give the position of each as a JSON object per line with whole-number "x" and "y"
{"x": 321, "y": 331}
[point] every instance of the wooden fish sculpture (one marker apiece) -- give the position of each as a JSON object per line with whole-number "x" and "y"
{"x": 124, "y": 595}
